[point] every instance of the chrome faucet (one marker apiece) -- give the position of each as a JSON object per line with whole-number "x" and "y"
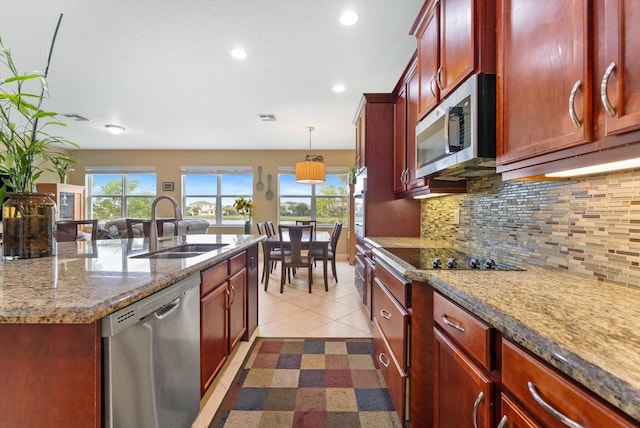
{"x": 153, "y": 229}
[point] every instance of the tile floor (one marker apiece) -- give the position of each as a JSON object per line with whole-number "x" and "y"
{"x": 296, "y": 313}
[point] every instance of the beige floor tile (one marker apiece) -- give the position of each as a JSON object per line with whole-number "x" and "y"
{"x": 278, "y": 329}
{"x": 308, "y": 302}
{"x": 337, "y": 329}
{"x": 277, "y": 311}
{"x": 306, "y": 321}
{"x": 358, "y": 319}
{"x": 334, "y": 310}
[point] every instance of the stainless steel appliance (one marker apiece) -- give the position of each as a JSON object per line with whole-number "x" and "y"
{"x": 457, "y": 140}
{"x": 447, "y": 258}
{"x": 359, "y": 193}
{"x": 152, "y": 360}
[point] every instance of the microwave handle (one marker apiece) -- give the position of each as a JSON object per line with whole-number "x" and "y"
{"x": 447, "y": 135}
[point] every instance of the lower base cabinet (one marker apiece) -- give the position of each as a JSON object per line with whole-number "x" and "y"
{"x": 223, "y": 314}
{"x": 550, "y": 397}
{"x": 463, "y": 391}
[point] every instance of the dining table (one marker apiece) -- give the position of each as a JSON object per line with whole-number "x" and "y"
{"x": 320, "y": 239}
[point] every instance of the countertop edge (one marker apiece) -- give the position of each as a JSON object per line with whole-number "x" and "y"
{"x": 609, "y": 387}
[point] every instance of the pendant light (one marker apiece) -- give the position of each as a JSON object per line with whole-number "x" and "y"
{"x": 312, "y": 169}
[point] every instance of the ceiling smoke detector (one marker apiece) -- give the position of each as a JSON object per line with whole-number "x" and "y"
{"x": 267, "y": 117}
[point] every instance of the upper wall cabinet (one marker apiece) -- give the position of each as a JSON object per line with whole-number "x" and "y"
{"x": 455, "y": 39}
{"x": 404, "y": 137}
{"x": 568, "y": 92}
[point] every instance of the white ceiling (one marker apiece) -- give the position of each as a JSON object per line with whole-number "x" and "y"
{"x": 162, "y": 69}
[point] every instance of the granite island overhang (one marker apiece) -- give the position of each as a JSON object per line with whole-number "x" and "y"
{"x": 87, "y": 280}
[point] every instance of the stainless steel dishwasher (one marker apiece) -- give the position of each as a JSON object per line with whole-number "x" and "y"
{"x": 151, "y": 357}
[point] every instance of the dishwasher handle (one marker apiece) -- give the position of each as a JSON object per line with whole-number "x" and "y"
{"x": 165, "y": 310}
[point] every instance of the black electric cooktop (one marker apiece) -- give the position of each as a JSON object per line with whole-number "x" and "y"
{"x": 446, "y": 258}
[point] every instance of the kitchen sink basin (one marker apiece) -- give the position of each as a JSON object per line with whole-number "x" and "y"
{"x": 181, "y": 252}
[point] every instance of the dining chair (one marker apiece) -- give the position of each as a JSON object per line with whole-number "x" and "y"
{"x": 293, "y": 255}
{"x": 260, "y": 227}
{"x": 68, "y": 230}
{"x": 316, "y": 253}
{"x": 146, "y": 226}
{"x": 272, "y": 228}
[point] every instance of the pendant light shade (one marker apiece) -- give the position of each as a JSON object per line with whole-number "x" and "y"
{"x": 312, "y": 169}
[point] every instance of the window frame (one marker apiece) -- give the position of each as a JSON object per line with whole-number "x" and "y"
{"x": 314, "y": 195}
{"x": 219, "y": 171}
{"x": 90, "y": 172}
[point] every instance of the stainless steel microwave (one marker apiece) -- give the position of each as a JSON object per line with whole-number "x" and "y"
{"x": 457, "y": 140}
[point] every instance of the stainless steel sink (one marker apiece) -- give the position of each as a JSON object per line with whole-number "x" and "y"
{"x": 183, "y": 251}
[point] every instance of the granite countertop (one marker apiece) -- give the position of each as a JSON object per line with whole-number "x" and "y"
{"x": 87, "y": 280}
{"x": 587, "y": 329}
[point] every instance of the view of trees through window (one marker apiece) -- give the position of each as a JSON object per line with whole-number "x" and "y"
{"x": 326, "y": 203}
{"x": 121, "y": 195}
{"x": 210, "y": 196}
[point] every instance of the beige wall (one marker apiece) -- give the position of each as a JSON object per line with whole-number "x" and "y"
{"x": 169, "y": 162}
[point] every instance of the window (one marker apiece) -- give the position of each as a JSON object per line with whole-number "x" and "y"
{"x": 209, "y": 193}
{"x": 326, "y": 203}
{"x": 120, "y": 192}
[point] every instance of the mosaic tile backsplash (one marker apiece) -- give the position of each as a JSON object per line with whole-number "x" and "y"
{"x": 589, "y": 226}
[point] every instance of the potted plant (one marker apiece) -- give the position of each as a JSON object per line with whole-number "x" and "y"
{"x": 27, "y": 149}
{"x": 245, "y": 207}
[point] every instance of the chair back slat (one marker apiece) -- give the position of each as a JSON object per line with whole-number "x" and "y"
{"x": 335, "y": 236}
{"x": 67, "y": 230}
{"x": 296, "y": 236}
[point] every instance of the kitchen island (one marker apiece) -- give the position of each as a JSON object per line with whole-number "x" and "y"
{"x": 51, "y": 311}
{"x": 587, "y": 330}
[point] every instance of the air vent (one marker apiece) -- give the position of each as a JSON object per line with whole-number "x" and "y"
{"x": 76, "y": 117}
{"x": 265, "y": 117}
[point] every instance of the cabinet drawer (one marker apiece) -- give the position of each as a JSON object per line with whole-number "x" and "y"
{"x": 394, "y": 376}
{"x": 524, "y": 375}
{"x": 473, "y": 335}
{"x": 393, "y": 320}
{"x": 237, "y": 262}
{"x": 212, "y": 277}
{"x": 397, "y": 285}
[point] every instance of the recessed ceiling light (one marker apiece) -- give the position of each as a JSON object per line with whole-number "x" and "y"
{"x": 348, "y": 17}
{"x": 115, "y": 129}
{"x": 339, "y": 88}
{"x": 238, "y": 53}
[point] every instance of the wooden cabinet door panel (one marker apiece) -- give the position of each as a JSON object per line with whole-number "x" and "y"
{"x": 524, "y": 376}
{"x": 400, "y": 141}
{"x": 620, "y": 74}
{"x": 237, "y": 307}
{"x": 214, "y": 342}
{"x": 457, "y": 43}
{"x": 463, "y": 392}
{"x": 544, "y": 56}
{"x": 412, "y": 121}
{"x": 393, "y": 320}
{"x": 428, "y": 61}
{"x": 394, "y": 376}
{"x": 514, "y": 416}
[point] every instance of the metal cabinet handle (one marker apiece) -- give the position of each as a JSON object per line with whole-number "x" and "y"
{"x": 233, "y": 299}
{"x": 475, "y": 409}
{"x": 439, "y": 78}
{"x": 503, "y": 422}
{"x": 603, "y": 90}
{"x": 386, "y": 364}
{"x": 433, "y": 78}
{"x": 572, "y": 107}
{"x": 556, "y": 414}
{"x": 450, "y": 323}
{"x": 384, "y": 314}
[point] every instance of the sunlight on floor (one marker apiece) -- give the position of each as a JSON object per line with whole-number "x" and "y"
{"x": 296, "y": 313}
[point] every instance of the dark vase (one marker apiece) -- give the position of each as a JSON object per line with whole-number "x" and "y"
{"x": 247, "y": 227}
{"x": 28, "y": 225}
